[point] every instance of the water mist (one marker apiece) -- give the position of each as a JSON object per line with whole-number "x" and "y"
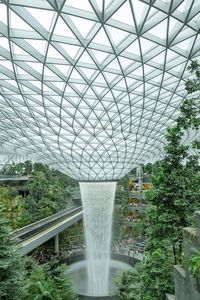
{"x": 98, "y": 203}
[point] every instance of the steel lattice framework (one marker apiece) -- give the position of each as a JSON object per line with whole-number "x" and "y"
{"x": 90, "y": 86}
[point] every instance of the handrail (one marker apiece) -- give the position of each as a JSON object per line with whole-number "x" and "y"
{"x": 44, "y": 233}
{"x": 14, "y": 177}
{"x": 44, "y": 222}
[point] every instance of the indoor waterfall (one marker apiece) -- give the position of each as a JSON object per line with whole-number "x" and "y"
{"x": 98, "y": 202}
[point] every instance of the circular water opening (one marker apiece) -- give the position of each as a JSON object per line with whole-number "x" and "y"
{"x": 78, "y": 272}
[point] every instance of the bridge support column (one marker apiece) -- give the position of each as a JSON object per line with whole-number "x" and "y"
{"x": 57, "y": 243}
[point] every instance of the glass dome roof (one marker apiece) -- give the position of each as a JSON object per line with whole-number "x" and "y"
{"x": 90, "y": 86}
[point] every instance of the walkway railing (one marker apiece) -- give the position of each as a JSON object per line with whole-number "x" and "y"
{"x": 34, "y": 235}
{"x": 33, "y": 228}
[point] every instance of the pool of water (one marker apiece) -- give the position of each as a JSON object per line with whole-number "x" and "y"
{"x": 78, "y": 272}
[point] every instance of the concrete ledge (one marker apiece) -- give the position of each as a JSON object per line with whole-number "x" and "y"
{"x": 190, "y": 243}
{"x": 124, "y": 258}
{"x": 180, "y": 270}
{"x": 197, "y": 221}
{"x": 170, "y": 297}
{"x": 82, "y": 297}
{"x": 190, "y": 233}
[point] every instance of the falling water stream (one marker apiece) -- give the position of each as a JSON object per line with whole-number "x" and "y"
{"x": 98, "y": 202}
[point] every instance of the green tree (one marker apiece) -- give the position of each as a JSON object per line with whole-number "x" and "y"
{"x": 12, "y": 271}
{"x": 47, "y": 283}
{"x": 13, "y": 207}
{"x": 63, "y": 284}
{"x": 49, "y": 192}
{"x": 174, "y": 197}
{"x": 38, "y": 285}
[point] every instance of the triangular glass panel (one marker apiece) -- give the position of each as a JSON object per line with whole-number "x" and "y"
{"x": 147, "y": 45}
{"x": 88, "y": 72}
{"x": 138, "y": 71}
{"x": 121, "y": 84}
{"x": 159, "y": 58}
{"x": 100, "y": 79}
{"x": 76, "y": 75}
{"x": 64, "y": 69}
{"x": 17, "y": 23}
{"x": 91, "y": 102}
{"x": 61, "y": 28}
{"x": 3, "y": 13}
{"x": 158, "y": 78}
{"x": 139, "y": 9}
{"x": 36, "y": 83}
{"x": 48, "y": 72}
{"x": 12, "y": 82}
{"x": 110, "y": 76}
{"x": 171, "y": 55}
{"x": 46, "y": 88}
{"x": 58, "y": 84}
{"x": 83, "y": 4}
{"x": 140, "y": 88}
{"x": 114, "y": 65}
{"x": 184, "y": 45}
{"x": 99, "y": 4}
{"x": 108, "y": 94}
{"x": 85, "y": 58}
{"x": 125, "y": 62}
{"x": 101, "y": 38}
{"x": 130, "y": 81}
{"x": 124, "y": 15}
{"x": 116, "y": 93}
{"x": 18, "y": 50}
{"x": 117, "y": 35}
{"x": 6, "y": 64}
{"x": 134, "y": 48}
{"x": 83, "y": 26}
{"x": 52, "y": 52}
{"x": 100, "y": 55}
{"x": 159, "y": 30}
{"x": 36, "y": 66}
{"x": 4, "y": 41}
{"x": 71, "y": 50}
{"x": 21, "y": 71}
{"x": 43, "y": 16}
{"x": 99, "y": 90}
{"x": 39, "y": 45}
{"x": 148, "y": 69}
{"x": 172, "y": 23}
{"x": 181, "y": 7}
{"x": 90, "y": 93}
{"x": 80, "y": 87}
{"x": 148, "y": 86}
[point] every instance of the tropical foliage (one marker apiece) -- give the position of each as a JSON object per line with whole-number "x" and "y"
{"x": 174, "y": 198}
{"x": 49, "y": 192}
{"x": 195, "y": 264}
{"x": 13, "y": 206}
{"x": 21, "y": 278}
{"x": 47, "y": 283}
{"x": 12, "y": 270}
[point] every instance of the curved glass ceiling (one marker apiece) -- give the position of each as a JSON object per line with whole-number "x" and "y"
{"x": 90, "y": 86}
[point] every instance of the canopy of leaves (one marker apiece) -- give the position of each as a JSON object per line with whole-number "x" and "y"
{"x": 174, "y": 197}
{"x": 49, "y": 283}
{"x": 12, "y": 270}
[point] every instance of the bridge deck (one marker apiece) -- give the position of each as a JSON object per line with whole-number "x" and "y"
{"x": 34, "y": 235}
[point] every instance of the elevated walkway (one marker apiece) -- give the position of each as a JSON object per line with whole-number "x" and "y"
{"x": 4, "y": 179}
{"x": 35, "y": 234}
